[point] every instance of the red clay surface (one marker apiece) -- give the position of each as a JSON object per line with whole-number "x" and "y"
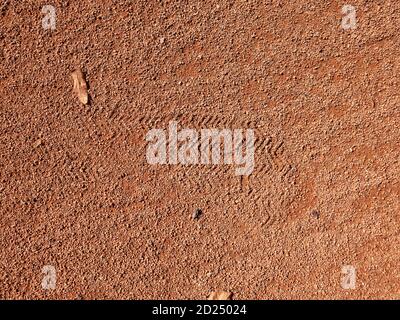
{"x": 77, "y": 193}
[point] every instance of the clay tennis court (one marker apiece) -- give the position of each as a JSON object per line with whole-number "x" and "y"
{"x": 76, "y": 190}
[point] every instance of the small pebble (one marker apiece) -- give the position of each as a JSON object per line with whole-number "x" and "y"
{"x": 196, "y": 214}
{"x": 315, "y": 213}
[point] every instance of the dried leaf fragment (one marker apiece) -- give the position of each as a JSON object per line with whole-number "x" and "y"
{"x": 220, "y": 295}
{"x": 37, "y": 143}
{"x": 80, "y": 86}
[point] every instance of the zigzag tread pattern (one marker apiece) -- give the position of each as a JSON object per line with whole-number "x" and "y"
{"x": 269, "y": 151}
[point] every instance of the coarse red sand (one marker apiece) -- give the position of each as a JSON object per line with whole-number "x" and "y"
{"x": 77, "y": 193}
